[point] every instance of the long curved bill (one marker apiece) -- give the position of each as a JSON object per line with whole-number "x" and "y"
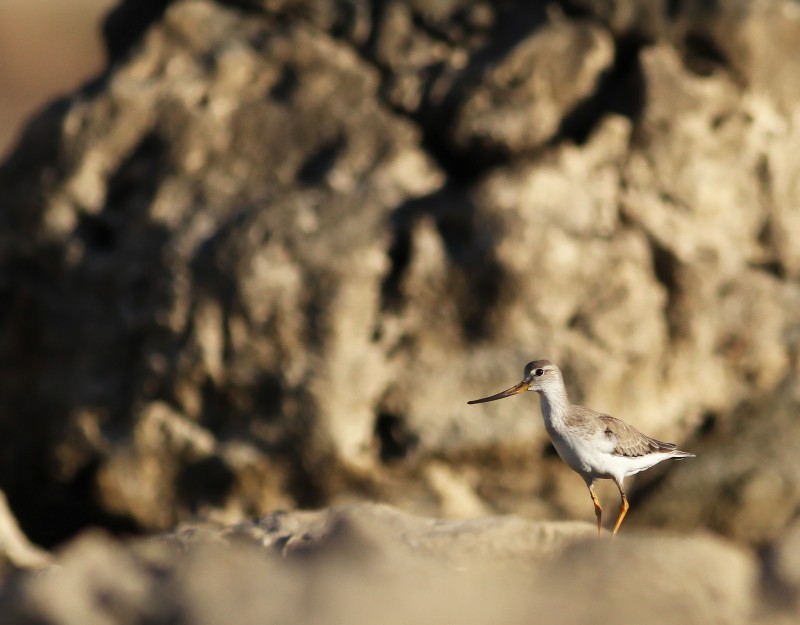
{"x": 514, "y": 390}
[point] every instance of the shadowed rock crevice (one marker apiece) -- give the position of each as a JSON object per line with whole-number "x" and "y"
{"x": 114, "y": 316}
{"x": 96, "y": 234}
{"x": 429, "y": 59}
{"x": 474, "y": 276}
{"x": 205, "y": 482}
{"x": 667, "y": 270}
{"x": 135, "y": 182}
{"x": 316, "y": 168}
{"x": 708, "y": 424}
{"x": 76, "y": 501}
{"x": 394, "y": 438}
{"x": 399, "y": 258}
{"x": 38, "y": 149}
{"x": 702, "y": 56}
{"x": 284, "y": 88}
{"x": 125, "y": 26}
{"x": 770, "y": 236}
{"x": 620, "y": 90}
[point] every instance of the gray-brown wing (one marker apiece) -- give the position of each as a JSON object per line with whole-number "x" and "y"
{"x": 629, "y": 441}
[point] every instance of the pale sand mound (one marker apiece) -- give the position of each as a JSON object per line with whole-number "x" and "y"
{"x": 370, "y": 563}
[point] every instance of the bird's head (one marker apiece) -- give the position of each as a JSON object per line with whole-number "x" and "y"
{"x": 539, "y": 376}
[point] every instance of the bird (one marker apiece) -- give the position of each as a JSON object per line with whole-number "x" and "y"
{"x": 593, "y": 444}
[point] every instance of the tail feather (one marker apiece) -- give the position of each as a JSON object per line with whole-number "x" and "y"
{"x": 671, "y": 449}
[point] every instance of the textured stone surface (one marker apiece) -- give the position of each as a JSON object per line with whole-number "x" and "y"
{"x": 752, "y": 468}
{"x": 519, "y": 105}
{"x": 784, "y": 563}
{"x": 265, "y": 259}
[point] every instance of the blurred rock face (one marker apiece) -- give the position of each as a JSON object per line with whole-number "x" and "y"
{"x": 268, "y": 256}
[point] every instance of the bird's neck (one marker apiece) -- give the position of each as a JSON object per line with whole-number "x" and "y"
{"x": 555, "y": 406}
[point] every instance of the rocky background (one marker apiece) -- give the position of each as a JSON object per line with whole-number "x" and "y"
{"x": 265, "y": 258}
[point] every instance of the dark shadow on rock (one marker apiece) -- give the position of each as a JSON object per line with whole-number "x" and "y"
{"x": 319, "y": 164}
{"x": 476, "y": 279}
{"x": 134, "y": 184}
{"x": 37, "y": 150}
{"x": 51, "y": 513}
{"x": 205, "y": 482}
{"x": 286, "y": 86}
{"x": 621, "y": 90}
{"x": 511, "y": 23}
{"x": 394, "y": 438}
{"x": 78, "y": 332}
{"x": 127, "y": 23}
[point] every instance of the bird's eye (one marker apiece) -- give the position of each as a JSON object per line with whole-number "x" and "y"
{"x": 538, "y": 372}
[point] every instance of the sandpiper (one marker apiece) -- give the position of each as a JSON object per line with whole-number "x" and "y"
{"x": 593, "y": 444}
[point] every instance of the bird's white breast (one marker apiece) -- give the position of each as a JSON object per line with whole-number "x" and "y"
{"x": 586, "y": 456}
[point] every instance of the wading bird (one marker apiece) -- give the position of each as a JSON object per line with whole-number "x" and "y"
{"x": 594, "y": 445}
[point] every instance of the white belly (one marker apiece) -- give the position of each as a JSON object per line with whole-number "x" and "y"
{"x": 580, "y": 456}
{"x": 594, "y": 458}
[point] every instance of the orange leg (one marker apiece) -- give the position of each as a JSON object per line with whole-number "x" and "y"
{"x": 623, "y": 510}
{"x": 598, "y": 511}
